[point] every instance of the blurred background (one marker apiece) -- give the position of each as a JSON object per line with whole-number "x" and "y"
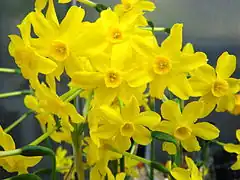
{"x": 212, "y": 26}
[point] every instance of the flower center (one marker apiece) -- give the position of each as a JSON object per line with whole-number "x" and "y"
{"x": 127, "y": 129}
{"x": 182, "y": 133}
{"x": 116, "y": 35}
{"x": 162, "y": 65}
{"x": 127, "y": 6}
{"x": 59, "y": 51}
{"x": 112, "y": 79}
{"x": 220, "y": 88}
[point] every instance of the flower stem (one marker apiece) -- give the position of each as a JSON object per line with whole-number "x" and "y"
{"x": 156, "y": 29}
{"x": 10, "y": 153}
{"x": 88, "y": 3}
{"x": 8, "y": 70}
{"x": 44, "y": 136}
{"x": 74, "y": 94}
{"x": 18, "y": 121}
{"x": 15, "y": 93}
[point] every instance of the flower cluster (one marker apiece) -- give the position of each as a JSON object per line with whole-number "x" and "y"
{"x": 117, "y": 65}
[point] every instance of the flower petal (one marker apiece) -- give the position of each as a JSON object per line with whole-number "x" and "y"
{"x": 192, "y": 111}
{"x": 170, "y": 148}
{"x": 191, "y": 144}
{"x": 110, "y": 115}
{"x": 104, "y": 95}
{"x": 122, "y": 143}
{"x": 205, "y": 130}
{"x": 158, "y": 85}
{"x": 149, "y": 119}
{"x": 87, "y": 79}
{"x": 131, "y": 110}
{"x": 180, "y": 86}
{"x": 170, "y": 110}
{"x": 209, "y": 103}
{"x": 238, "y": 134}
{"x": 226, "y": 65}
{"x": 232, "y": 148}
{"x": 180, "y": 174}
{"x": 226, "y": 103}
{"x": 142, "y": 135}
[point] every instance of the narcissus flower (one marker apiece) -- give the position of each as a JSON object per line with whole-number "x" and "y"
{"x": 216, "y": 86}
{"x": 183, "y": 125}
{"x": 192, "y": 173}
{"x": 236, "y": 109}
{"x": 233, "y": 148}
{"x": 26, "y": 57}
{"x": 113, "y": 78}
{"x": 168, "y": 67}
{"x": 16, "y": 163}
{"x": 48, "y": 102}
{"x": 63, "y": 162}
{"x": 130, "y": 123}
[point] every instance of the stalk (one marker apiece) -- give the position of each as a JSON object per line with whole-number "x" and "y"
{"x": 14, "y": 93}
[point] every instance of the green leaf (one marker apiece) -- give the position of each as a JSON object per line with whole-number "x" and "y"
{"x": 25, "y": 177}
{"x": 161, "y": 136}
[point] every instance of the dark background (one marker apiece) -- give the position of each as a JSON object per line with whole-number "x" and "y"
{"x": 212, "y": 26}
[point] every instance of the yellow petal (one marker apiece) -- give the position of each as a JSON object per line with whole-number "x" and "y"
{"x": 122, "y": 143}
{"x": 158, "y": 85}
{"x": 64, "y": 1}
{"x": 170, "y": 148}
{"x": 205, "y": 73}
{"x": 44, "y": 65}
{"x": 209, "y": 103}
{"x": 87, "y": 79}
{"x": 226, "y": 103}
{"x": 205, "y": 130}
{"x": 180, "y": 174}
{"x": 191, "y": 144}
{"x": 107, "y": 131}
{"x": 238, "y": 134}
{"x": 180, "y": 86}
{"x": 170, "y": 110}
{"x": 111, "y": 115}
{"x": 188, "y": 48}
{"x": 131, "y": 110}
{"x": 7, "y": 141}
{"x": 51, "y": 13}
{"x": 40, "y": 4}
{"x": 120, "y": 176}
{"x": 142, "y": 135}
{"x": 31, "y": 102}
{"x": 104, "y": 95}
{"x": 192, "y": 111}
{"x": 232, "y": 148}
{"x": 174, "y": 41}
{"x": 234, "y": 86}
{"x": 147, "y": 5}
{"x": 72, "y": 21}
{"x": 149, "y": 119}
{"x": 236, "y": 165}
{"x": 226, "y": 65}
{"x": 167, "y": 127}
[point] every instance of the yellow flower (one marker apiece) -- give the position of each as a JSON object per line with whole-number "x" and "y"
{"x": 130, "y": 167}
{"x": 16, "y": 163}
{"x": 98, "y": 157}
{"x": 236, "y": 109}
{"x": 121, "y": 36}
{"x": 183, "y": 125}
{"x": 48, "y": 102}
{"x": 63, "y": 162}
{"x": 192, "y": 173}
{"x": 26, "y": 57}
{"x": 169, "y": 66}
{"x": 170, "y": 148}
{"x": 233, "y": 148}
{"x": 216, "y": 86}
{"x": 130, "y": 123}
{"x": 113, "y": 78}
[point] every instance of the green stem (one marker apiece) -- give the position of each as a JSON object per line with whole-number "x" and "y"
{"x": 44, "y": 136}
{"x": 122, "y": 164}
{"x": 88, "y": 3}
{"x": 156, "y": 29}
{"x": 74, "y": 94}
{"x": 18, "y": 121}
{"x": 10, "y": 153}
{"x": 218, "y": 142}
{"x": 77, "y": 151}
{"x": 15, "y": 93}
{"x": 8, "y": 70}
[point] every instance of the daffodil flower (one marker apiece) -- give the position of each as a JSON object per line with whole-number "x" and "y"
{"x": 63, "y": 162}
{"x": 130, "y": 123}
{"x": 233, "y": 148}
{"x": 168, "y": 66}
{"x": 192, "y": 173}
{"x": 16, "y": 163}
{"x": 113, "y": 78}
{"x": 216, "y": 87}
{"x": 184, "y": 127}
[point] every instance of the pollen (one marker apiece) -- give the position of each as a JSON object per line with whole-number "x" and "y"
{"x": 162, "y": 65}
{"x": 182, "y": 133}
{"x": 127, "y": 129}
{"x": 220, "y": 88}
{"x": 115, "y": 35}
{"x": 59, "y": 51}
{"x": 112, "y": 79}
